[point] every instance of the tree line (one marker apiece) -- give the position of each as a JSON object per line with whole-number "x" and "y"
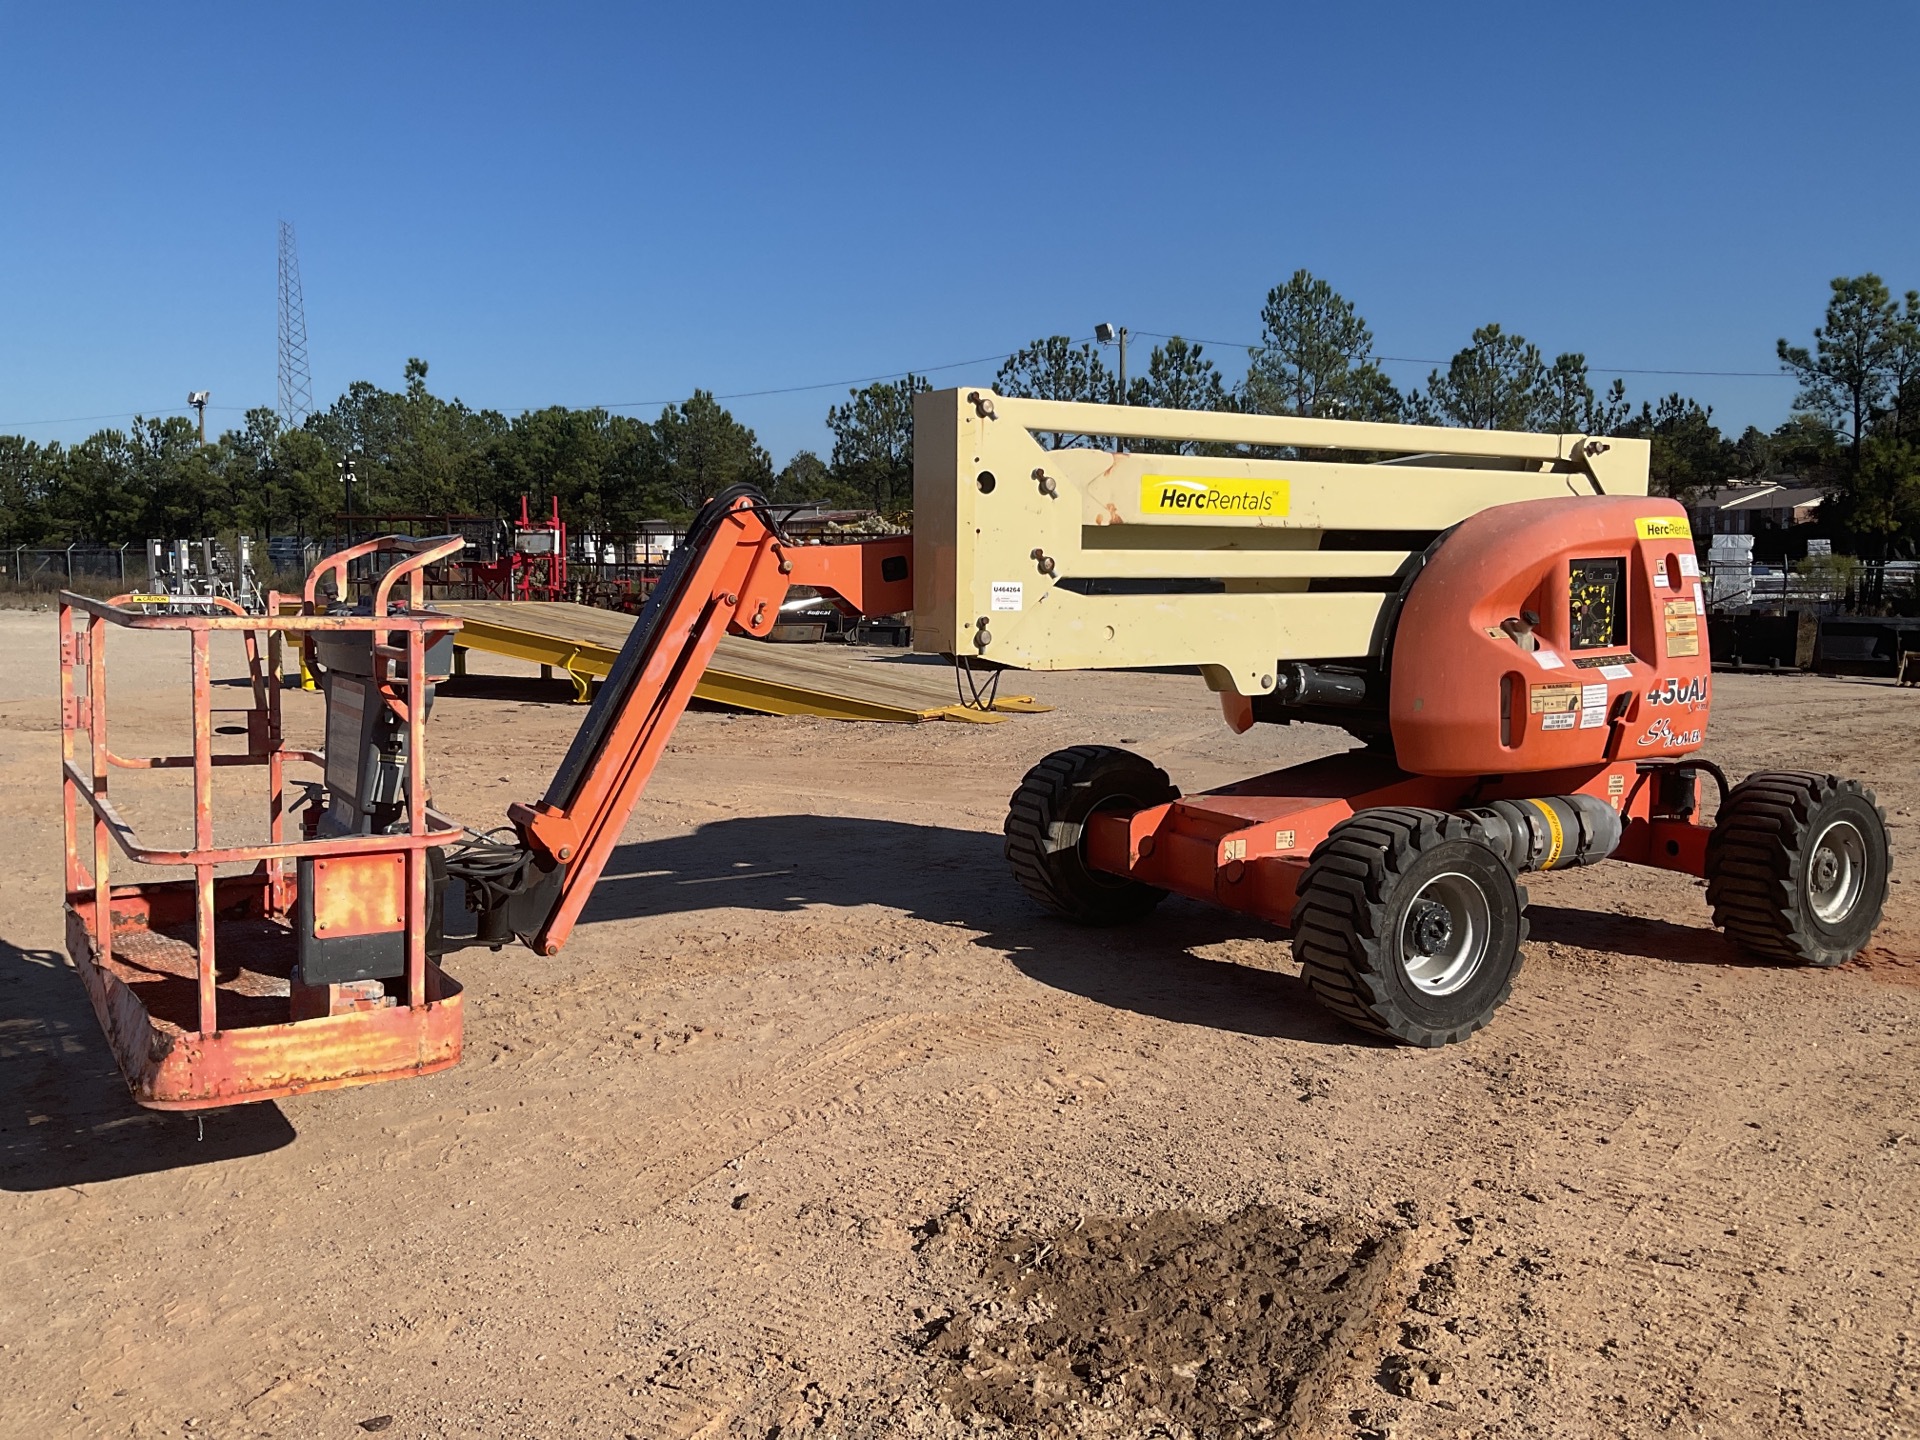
{"x": 1854, "y": 429}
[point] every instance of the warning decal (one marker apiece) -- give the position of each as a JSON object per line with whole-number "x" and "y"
{"x": 1683, "y": 628}
{"x": 1593, "y": 705}
{"x": 1556, "y": 698}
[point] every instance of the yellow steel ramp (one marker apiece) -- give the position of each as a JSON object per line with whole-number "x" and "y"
{"x": 827, "y": 680}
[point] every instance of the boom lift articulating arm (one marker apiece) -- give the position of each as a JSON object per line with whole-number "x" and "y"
{"x": 731, "y": 574}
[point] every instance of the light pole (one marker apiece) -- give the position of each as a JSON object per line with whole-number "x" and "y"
{"x": 198, "y": 400}
{"x": 1108, "y": 335}
{"x": 344, "y": 469}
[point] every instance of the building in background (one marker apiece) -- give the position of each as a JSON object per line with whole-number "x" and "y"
{"x": 1755, "y": 507}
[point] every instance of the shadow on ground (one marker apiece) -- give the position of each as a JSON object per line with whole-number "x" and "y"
{"x": 531, "y": 690}
{"x": 65, "y": 1115}
{"x": 1635, "y": 935}
{"x": 958, "y": 878}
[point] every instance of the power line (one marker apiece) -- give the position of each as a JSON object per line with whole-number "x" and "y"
{"x": 160, "y": 410}
{"x": 154, "y": 412}
{"x": 613, "y": 405}
{"x": 822, "y": 385}
{"x": 1417, "y": 360}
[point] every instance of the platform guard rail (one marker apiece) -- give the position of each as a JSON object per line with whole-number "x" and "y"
{"x": 192, "y": 979}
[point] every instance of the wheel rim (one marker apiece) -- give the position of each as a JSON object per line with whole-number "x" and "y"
{"x": 1444, "y": 933}
{"x": 1837, "y": 872}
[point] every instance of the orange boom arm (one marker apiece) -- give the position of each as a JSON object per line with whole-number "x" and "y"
{"x": 732, "y": 574}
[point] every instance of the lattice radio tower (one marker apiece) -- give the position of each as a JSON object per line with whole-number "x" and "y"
{"x": 296, "y": 382}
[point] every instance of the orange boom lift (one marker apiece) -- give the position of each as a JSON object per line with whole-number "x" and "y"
{"x": 1538, "y": 703}
{"x": 296, "y": 964}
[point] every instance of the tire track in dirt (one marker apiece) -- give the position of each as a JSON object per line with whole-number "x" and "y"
{"x": 713, "y": 1382}
{"x": 677, "y": 1153}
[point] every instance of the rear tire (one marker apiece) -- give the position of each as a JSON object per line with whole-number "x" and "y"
{"x": 1408, "y": 926}
{"x": 1798, "y": 866}
{"x": 1046, "y": 824}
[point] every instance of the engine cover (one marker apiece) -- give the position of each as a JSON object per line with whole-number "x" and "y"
{"x": 1553, "y": 634}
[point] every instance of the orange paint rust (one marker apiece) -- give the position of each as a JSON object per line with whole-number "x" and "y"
{"x": 171, "y": 1070}
{"x": 359, "y": 895}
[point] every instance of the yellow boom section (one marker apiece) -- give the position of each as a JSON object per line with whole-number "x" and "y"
{"x": 1230, "y": 542}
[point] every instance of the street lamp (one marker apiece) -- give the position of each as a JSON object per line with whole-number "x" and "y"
{"x": 344, "y": 469}
{"x": 198, "y": 400}
{"x": 1108, "y": 335}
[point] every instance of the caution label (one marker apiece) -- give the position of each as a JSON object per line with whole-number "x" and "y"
{"x": 1555, "y": 699}
{"x": 1663, "y": 527}
{"x": 1683, "y": 628}
{"x": 1214, "y": 497}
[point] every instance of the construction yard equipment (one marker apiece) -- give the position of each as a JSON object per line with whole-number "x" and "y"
{"x": 311, "y": 969}
{"x": 1507, "y": 624}
{"x": 319, "y": 965}
{"x": 1511, "y": 627}
{"x": 583, "y": 642}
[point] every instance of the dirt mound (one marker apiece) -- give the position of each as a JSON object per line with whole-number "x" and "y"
{"x": 1213, "y": 1327}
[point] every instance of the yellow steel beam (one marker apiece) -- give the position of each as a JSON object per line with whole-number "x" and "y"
{"x": 585, "y": 661}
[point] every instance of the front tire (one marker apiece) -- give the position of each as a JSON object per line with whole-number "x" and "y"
{"x": 1046, "y": 824}
{"x": 1409, "y": 927}
{"x": 1798, "y": 866}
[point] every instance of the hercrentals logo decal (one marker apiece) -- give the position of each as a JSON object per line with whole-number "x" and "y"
{"x": 1212, "y": 496}
{"x": 1663, "y": 527}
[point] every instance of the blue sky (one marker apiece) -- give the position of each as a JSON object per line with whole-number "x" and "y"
{"x": 603, "y": 204}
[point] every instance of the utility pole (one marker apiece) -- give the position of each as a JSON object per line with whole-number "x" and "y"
{"x": 198, "y": 400}
{"x": 1108, "y": 335}
{"x": 344, "y": 469}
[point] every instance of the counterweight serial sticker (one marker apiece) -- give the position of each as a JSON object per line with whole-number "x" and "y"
{"x": 1216, "y": 497}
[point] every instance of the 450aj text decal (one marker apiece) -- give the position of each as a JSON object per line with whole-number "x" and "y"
{"x": 1672, "y": 691}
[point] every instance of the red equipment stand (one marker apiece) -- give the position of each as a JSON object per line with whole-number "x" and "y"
{"x": 534, "y": 566}
{"x": 192, "y": 980}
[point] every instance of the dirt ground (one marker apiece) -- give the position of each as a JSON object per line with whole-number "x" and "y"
{"x": 817, "y": 1126}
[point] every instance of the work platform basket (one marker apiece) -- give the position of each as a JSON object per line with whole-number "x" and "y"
{"x": 193, "y": 980}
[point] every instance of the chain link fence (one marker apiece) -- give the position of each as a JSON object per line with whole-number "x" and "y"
{"x": 1840, "y": 586}
{"x": 89, "y": 568}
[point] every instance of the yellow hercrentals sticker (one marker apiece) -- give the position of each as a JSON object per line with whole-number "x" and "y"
{"x": 1213, "y": 496}
{"x": 1663, "y": 527}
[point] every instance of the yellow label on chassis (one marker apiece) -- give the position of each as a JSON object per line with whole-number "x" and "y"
{"x": 1663, "y": 527}
{"x": 1552, "y": 699}
{"x": 1213, "y": 496}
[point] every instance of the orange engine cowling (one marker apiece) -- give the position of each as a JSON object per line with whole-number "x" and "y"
{"x": 1551, "y": 634}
